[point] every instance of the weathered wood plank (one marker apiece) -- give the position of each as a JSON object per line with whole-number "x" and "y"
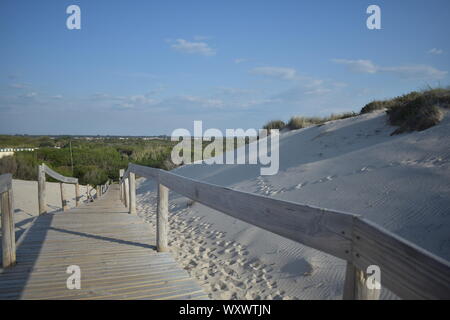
{"x": 114, "y": 250}
{"x": 322, "y": 229}
{"x": 58, "y": 176}
{"x": 407, "y": 270}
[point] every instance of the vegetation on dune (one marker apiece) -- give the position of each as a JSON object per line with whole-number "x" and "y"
{"x": 297, "y": 122}
{"x": 415, "y": 111}
{"x": 274, "y": 124}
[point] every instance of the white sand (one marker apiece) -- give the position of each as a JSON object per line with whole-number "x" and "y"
{"x": 401, "y": 182}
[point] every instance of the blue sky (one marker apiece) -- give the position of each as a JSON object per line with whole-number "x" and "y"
{"x": 149, "y": 67}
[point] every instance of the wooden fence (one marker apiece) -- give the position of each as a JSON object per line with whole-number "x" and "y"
{"x": 406, "y": 269}
{"x": 7, "y": 206}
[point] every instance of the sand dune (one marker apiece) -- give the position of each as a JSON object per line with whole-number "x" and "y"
{"x": 400, "y": 182}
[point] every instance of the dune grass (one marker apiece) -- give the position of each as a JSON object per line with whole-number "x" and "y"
{"x": 414, "y": 111}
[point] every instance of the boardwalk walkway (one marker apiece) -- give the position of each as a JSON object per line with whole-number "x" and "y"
{"x": 114, "y": 250}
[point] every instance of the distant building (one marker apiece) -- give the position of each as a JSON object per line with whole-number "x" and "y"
{"x": 5, "y": 152}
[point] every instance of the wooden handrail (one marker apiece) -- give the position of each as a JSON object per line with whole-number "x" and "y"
{"x": 8, "y": 226}
{"x": 42, "y": 171}
{"x": 407, "y": 270}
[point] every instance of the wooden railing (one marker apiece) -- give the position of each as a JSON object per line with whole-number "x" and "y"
{"x": 406, "y": 269}
{"x": 7, "y": 206}
{"x": 8, "y": 232}
{"x": 43, "y": 170}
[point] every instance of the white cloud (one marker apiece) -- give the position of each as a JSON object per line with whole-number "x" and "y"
{"x": 18, "y": 85}
{"x": 407, "y": 72}
{"x": 204, "y": 102}
{"x": 234, "y": 91}
{"x": 363, "y": 66}
{"x": 416, "y": 72}
{"x": 193, "y": 47}
{"x": 436, "y": 51}
{"x": 276, "y": 72}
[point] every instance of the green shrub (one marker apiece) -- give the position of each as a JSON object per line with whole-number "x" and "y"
{"x": 416, "y": 115}
{"x": 373, "y": 106}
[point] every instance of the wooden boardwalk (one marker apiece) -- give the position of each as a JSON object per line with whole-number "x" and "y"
{"x": 114, "y": 250}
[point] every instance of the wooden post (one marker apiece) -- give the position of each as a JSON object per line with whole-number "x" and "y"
{"x": 98, "y": 192}
{"x": 8, "y": 232}
{"x": 121, "y": 171}
{"x": 63, "y": 200}
{"x": 41, "y": 190}
{"x": 132, "y": 193}
{"x": 77, "y": 195}
{"x": 127, "y": 192}
{"x": 162, "y": 219}
{"x": 355, "y": 286}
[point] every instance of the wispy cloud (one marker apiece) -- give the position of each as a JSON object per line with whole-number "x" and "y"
{"x": 363, "y": 66}
{"x": 436, "y": 51}
{"x": 239, "y": 60}
{"x": 193, "y": 47}
{"x": 407, "y": 72}
{"x": 19, "y": 85}
{"x": 276, "y": 72}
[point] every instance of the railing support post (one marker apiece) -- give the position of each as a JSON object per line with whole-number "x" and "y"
{"x": 77, "y": 195}
{"x": 162, "y": 219}
{"x": 63, "y": 200}
{"x": 41, "y": 190}
{"x": 127, "y": 192}
{"x": 121, "y": 171}
{"x": 355, "y": 286}
{"x": 132, "y": 193}
{"x": 8, "y": 232}
{"x": 98, "y": 192}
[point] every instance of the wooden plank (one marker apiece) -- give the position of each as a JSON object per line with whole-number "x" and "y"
{"x": 143, "y": 171}
{"x": 321, "y": 229}
{"x": 5, "y": 182}
{"x": 114, "y": 250}
{"x": 8, "y": 233}
{"x": 162, "y": 223}
{"x": 58, "y": 176}
{"x": 407, "y": 270}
